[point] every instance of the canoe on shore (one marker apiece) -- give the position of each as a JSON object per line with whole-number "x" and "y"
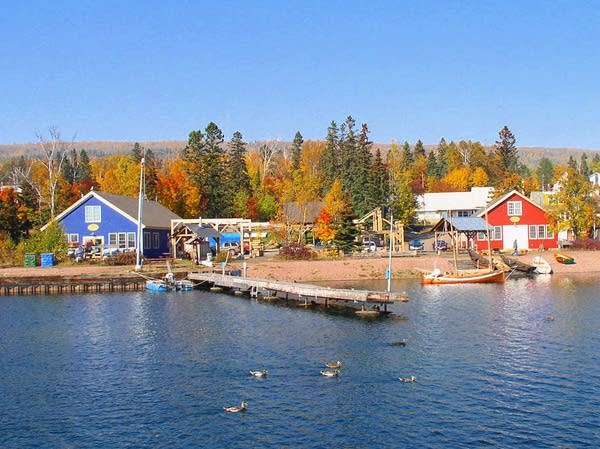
{"x": 564, "y": 258}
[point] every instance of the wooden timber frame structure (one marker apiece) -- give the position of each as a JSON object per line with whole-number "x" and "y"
{"x": 381, "y": 226}
{"x": 454, "y": 227}
{"x": 180, "y": 231}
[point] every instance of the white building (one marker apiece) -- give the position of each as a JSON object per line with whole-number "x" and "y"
{"x": 432, "y": 205}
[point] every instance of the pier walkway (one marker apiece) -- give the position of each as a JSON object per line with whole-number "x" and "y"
{"x": 298, "y": 291}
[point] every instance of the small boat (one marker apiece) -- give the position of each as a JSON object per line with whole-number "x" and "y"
{"x": 564, "y": 258}
{"x": 262, "y": 373}
{"x": 236, "y": 408}
{"x": 330, "y": 373}
{"x": 407, "y": 379}
{"x": 399, "y": 342}
{"x": 334, "y": 365}
{"x": 156, "y": 285}
{"x": 541, "y": 265}
{"x": 184, "y": 285}
{"x": 517, "y": 265}
{"x": 464, "y": 277}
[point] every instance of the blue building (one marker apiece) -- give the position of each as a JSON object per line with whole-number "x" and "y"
{"x": 107, "y": 223}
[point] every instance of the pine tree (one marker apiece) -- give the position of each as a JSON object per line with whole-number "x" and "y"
{"x": 345, "y": 230}
{"x": 331, "y": 158}
{"x": 297, "y": 151}
{"x": 419, "y": 150}
{"x": 506, "y": 152}
{"x": 407, "y": 157}
{"x": 442, "y": 161}
{"x": 380, "y": 181}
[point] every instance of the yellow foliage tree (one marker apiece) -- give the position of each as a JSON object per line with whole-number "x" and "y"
{"x": 479, "y": 177}
{"x": 118, "y": 174}
{"x": 176, "y": 191}
{"x": 458, "y": 179}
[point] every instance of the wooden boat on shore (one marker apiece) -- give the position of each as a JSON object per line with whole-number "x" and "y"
{"x": 517, "y": 265}
{"x": 564, "y": 258}
{"x": 464, "y": 277}
{"x": 541, "y": 265}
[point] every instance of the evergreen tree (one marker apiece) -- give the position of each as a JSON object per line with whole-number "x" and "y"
{"x": 571, "y": 163}
{"x": 506, "y": 152}
{"x": 345, "y": 230}
{"x": 361, "y": 187}
{"x": 204, "y": 158}
{"x": 297, "y": 151}
{"x": 237, "y": 164}
{"x": 545, "y": 172}
{"x": 407, "y": 157}
{"x": 331, "y": 158}
{"x": 432, "y": 166}
{"x": 380, "y": 181}
{"x": 419, "y": 150}
{"x": 442, "y": 160}
{"x": 584, "y": 168}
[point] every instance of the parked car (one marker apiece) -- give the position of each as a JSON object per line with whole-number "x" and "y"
{"x": 369, "y": 246}
{"x": 440, "y": 245}
{"x": 416, "y": 244}
{"x": 232, "y": 247}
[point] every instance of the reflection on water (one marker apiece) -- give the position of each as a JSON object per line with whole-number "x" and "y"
{"x": 155, "y": 370}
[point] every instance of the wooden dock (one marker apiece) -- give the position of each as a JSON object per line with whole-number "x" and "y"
{"x": 290, "y": 290}
{"x": 53, "y": 285}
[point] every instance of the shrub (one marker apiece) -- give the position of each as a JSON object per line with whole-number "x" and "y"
{"x": 297, "y": 251}
{"x": 589, "y": 244}
{"x": 128, "y": 258}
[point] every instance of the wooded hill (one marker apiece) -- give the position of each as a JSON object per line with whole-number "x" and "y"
{"x": 529, "y": 156}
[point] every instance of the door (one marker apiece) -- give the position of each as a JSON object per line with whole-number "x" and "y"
{"x": 519, "y": 233}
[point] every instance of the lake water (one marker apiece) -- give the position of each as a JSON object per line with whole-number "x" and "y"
{"x": 140, "y": 370}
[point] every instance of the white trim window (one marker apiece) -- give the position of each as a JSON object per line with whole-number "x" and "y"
{"x": 540, "y": 232}
{"x": 496, "y": 233}
{"x": 515, "y": 208}
{"x": 93, "y": 214}
{"x": 73, "y": 238}
{"x": 112, "y": 239}
{"x": 122, "y": 240}
{"x": 146, "y": 239}
{"x": 131, "y": 240}
{"x": 155, "y": 240}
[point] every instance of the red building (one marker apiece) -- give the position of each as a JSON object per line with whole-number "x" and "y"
{"x": 516, "y": 221}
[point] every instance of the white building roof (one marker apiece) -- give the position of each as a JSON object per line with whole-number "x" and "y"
{"x": 439, "y": 202}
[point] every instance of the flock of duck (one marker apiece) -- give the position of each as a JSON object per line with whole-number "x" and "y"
{"x": 333, "y": 370}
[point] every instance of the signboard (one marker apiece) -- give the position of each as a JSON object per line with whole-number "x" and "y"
{"x": 93, "y": 227}
{"x": 515, "y": 219}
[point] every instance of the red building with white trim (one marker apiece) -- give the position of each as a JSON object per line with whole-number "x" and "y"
{"x": 515, "y": 220}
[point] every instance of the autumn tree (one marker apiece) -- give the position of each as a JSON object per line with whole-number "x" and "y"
{"x": 176, "y": 191}
{"x": 574, "y": 206}
{"x": 14, "y": 216}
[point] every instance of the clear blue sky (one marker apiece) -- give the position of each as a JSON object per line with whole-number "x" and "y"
{"x": 156, "y": 70}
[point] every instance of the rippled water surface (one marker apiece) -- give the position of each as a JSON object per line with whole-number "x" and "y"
{"x": 155, "y": 370}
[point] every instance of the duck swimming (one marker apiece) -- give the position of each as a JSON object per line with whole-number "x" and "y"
{"x": 262, "y": 373}
{"x": 236, "y": 408}
{"x": 330, "y": 373}
{"x": 334, "y": 365}
{"x": 407, "y": 379}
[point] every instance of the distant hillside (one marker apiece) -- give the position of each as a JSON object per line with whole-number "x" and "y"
{"x": 530, "y": 156}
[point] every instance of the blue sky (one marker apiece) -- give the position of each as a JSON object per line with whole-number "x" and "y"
{"x": 156, "y": 70}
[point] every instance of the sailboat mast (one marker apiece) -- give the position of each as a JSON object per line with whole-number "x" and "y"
{"x": 140, "y": 236}
{"x": 389, "y": 269}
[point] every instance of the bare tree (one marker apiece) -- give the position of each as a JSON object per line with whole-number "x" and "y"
{"x": 267, "y": 152}
{"x": 54, "y": 152}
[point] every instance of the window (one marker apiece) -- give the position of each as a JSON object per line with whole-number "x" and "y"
{"x": 112, "y": 239}
{"x": 463, "y": 213}
{"x": 540, "y": 232}
{"x": 92, "y": 214}
{"x": 146, "y": 239}
{"x": 131, "y": 240}
{"x": 515, "y": 208}
{"x": 73, "y": 238}
{"x": 155, "y": 240}
{"x": 122, "y": 240}
{"x": 496, "y": 233}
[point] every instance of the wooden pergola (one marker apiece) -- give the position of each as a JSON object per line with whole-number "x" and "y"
{"x": 457, "y": 226}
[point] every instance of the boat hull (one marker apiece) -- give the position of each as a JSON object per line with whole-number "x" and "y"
{"x": 541, "y": 265}
{"x": 488, "y": 277}
{"x": 156, "y": 286}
